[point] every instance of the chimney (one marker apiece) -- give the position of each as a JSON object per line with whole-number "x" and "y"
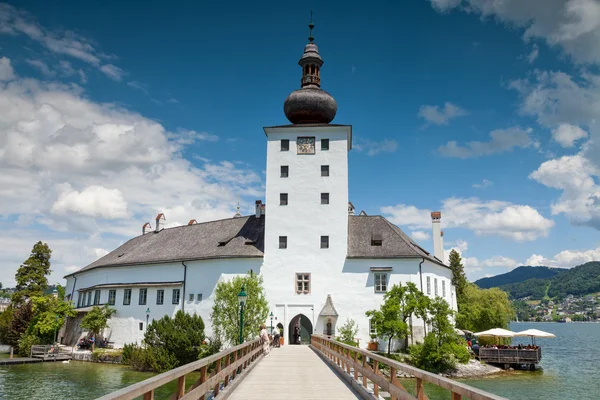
{"x": 442, "y": 246}
{"x": 438, "y": 249}
{"x": 350, "y": 208}
{"x": 146, "y": 228}
{"x": 160, "y": 218}
{"x": 192, "y": 222}
{"x": 258, "y": 208}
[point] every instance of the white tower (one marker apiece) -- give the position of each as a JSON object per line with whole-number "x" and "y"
{"x": 306, "y": 226}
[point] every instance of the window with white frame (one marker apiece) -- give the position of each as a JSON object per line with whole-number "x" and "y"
{"x": 302, "y": 283}
{"x": 372, "y": 330}
{"x": 380, "y": 282}
{"x": 175, "y": 298}
{"x": 143, "y": 296}
{"x": 96, "y": 297}
{"x": 160, "y": 296}
{"x": 428, "y": 285}
{"x": 112, "y": 297}
{"x": 435, "y": 287}
{"x": 89, "y": 298}
{"x": 127, "y": 297}
{"x": 443, "y": 288}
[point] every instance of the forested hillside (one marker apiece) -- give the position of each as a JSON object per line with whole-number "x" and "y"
{"x": 580, "y": 280}
{"x": 519, "y": 274}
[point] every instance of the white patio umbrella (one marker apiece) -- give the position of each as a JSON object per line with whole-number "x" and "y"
{"x": 535, "y": 333}
{"x": 496, "y": 332}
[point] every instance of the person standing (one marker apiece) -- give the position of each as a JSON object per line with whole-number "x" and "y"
{"x": 276, "y": 335}
{"x": 264, "y": 338}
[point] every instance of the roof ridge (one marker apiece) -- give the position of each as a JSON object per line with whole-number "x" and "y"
{"x": 197, "y": 223}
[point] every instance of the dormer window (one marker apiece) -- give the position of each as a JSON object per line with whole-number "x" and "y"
{"x": 376, "y": 239}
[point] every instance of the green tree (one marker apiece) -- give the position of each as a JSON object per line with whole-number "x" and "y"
{"x": 5, "y": 318}
{"x": 347, "y": 332}
{"x": 181, "y": 336}
{"x": 97, "y": 319}
{"x": 459, "y": 279}
{"x": 484, "y": 309}
{"x": 50, "y": 313}
{"x": 31, "y": 275}
{"x": 225, "y": 316}
{"x": 19, "y": 323}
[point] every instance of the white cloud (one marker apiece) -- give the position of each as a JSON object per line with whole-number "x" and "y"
{"x": 85, "y": 176}
{"x": 6, "y": 70}
{"x": 41, "y": 66}
{"x": 72, "y": 268}
{"x": 535, "y": 51}
{"x": 566, "y": 258}
{"x": 93, "y": 201}
{"x": 485, "y": 218}
{"x": 185, "y": 137}
{"x": 66, "y": 69}
{"x": 420, "y": 235}
{"x": 473, "y": 265}
{"x": 484, "y": 183}
{"x": 113, "y": 72}
{"x": 138, "y": 85}
{"x": 572, "y": 25}
{"x": 566, "y": 135}
{"x": 501, "y": 140}
{"x": 374, "y": 148}
{"x": 576, "y": 177}
{"x": 437, "y": 116}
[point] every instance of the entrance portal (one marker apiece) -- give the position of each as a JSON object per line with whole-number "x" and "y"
{"x": 300, "y": 330}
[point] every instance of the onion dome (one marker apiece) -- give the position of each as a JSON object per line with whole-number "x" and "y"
{"x": 310, "y": 104}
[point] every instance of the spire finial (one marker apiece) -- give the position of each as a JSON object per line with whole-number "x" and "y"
{"x": 311, "y": 26}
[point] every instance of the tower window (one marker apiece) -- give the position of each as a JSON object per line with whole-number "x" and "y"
{"x": 324, "y": 144}
{"x": 283, "y": 242}
{"x": 285, "y": 171}
{"x": 324, "y": 198}
{"x": 283, "y": 199}
{"x": 302, "y": 283}
{"x": 324, "y": 242}
{"x": 285, "y": 144}
{"x": 324, "y": 170}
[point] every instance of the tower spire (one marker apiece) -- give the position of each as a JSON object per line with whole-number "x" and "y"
{"x": 311, "y": 39}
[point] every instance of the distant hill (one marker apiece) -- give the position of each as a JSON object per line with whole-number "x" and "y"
{"x": 518, "y": 274}
{"x": 580, "y": 280}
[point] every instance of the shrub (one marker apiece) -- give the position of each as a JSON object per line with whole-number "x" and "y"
{"x": 347, "y": 332}
{"x": 25, "y": 342}
{"x": 156, "y": 359}
{"x": 435, "y": 357}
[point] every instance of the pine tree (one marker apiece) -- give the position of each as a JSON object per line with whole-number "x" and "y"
{"x": 459, "y": 279}
{"x": 31, "y": 275}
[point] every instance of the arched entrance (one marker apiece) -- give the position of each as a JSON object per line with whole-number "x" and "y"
{"x": 300, "y": 330}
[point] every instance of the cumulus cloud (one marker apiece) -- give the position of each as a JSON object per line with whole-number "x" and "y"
{"x": 91, "y": 174}
{"x": 373, "y": 148}
{"x": 440, "y": 116}
{"x": 566, "y": 135}
{"x": 41, "y": 66}
{"x": 571, "y": 25}
{"x": 501, "y": 140}
{"x": 566, "y": 258}
{"x": 473, "y": 265}
{"x": 484, "y": 183}
{"x": 6, "y": 70}
{"x": 420, "y": 235}
{"x": 485, "y": 218}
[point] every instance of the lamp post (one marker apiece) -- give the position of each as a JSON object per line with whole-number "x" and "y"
{"x": 242, "y": 300}
{"x": 55, "y": 327}
{"x": 147, "y": 317}
{"x": 271, "y": 315}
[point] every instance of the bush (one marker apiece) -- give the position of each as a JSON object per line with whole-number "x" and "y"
{"x": 108, "y": 356}
{"x": 156, "y": 359}
{"x": 433, "y": 357}
{"x": 347, "y": 332}
{"x": 25, "y": 342}
{"x": 210, "y": 347}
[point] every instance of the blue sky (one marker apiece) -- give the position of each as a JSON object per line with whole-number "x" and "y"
{"x": 111, "y": 112}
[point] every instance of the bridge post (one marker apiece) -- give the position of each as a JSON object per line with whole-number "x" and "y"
{"x": 203, "y": 379}
{"x": 376, "y": 372}
{"x": 218, "y": 384}
{"x": 355, "y": 369}
{"x": 420, "y": 390}
{"x": 149, "y": 395}
{"x": 180, "y": 386}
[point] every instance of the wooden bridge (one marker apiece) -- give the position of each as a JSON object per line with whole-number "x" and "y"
{"x": 326, "y": 370}
{"x": 51, "y": 352}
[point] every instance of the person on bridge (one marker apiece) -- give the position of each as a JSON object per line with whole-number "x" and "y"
{"x": 264, "y": 338}
{"x": 276, "y": 335}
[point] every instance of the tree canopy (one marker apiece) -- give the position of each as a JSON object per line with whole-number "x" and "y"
{"x": 31, "y": 275}
{"x": 459, "y": 279}
{"x": 225, "y": 316}
{"x": 97, "y": 319}
{"x": 484, "y": 309}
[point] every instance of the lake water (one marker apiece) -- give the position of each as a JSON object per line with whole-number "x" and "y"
{"x": 569, "y": 369}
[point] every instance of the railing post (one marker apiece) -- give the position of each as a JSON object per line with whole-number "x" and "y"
{"x": 203, "y": 371}
{"x": 456, "y": 396}
{"x": 420, "y": 390}
{"x": 364, "y": 365}
{"x": 393, "y": 380}
{"x": 149, "y": 395}
{"x": 218, "y": 384}
{"x": 355, "y": 362}
{"x": 235, "y": 357}
{"x": 180, "y": 386}
{"x": 376, "y": 371}
{"x": 227, "y": 362}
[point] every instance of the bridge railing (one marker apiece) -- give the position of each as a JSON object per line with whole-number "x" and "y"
{"x": 50, "y": 350}
{"x": 367, "y": 369}
{"x": 225, "y": 366}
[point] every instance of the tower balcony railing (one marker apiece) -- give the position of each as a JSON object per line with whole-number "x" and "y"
{"x": 311, "y": 80}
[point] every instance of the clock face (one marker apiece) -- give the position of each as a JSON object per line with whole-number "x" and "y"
{"x": 306, "y": 145}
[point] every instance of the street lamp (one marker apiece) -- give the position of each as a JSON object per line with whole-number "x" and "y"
{"x": 147, "y": 317}
{"x": 271, "y": 315}
{"x": 242, "y": 300}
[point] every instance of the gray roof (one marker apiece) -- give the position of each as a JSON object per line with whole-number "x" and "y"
{"x": 328, "y": 309}
{"x": 243, "y": 237}
{"x": 395, "y": 243}
{"x": 227, "y": 238}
